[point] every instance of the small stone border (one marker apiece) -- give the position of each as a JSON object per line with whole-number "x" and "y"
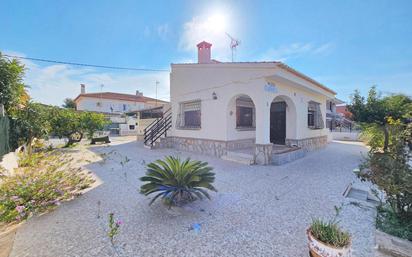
{"x": 7, "y": 234}
{"x": 392, "y": 246}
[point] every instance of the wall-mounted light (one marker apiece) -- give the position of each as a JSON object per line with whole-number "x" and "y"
{"x": 214, "y": 96}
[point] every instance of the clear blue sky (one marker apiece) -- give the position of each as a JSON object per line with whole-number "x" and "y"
{"x": 345, "y": 45}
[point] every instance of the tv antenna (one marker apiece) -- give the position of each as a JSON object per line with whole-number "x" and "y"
{"x": 233, "y": 44}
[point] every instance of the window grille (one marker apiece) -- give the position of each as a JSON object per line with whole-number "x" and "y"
{"x": 315, "y": 119}
{"x": 245, "y": 113}
{"x": 190, "y": 115}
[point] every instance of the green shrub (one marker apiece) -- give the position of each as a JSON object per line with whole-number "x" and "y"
{"x": 35, "y": 189}
{"x": 391, "y": 170}
{"x": 329, "y": 232}
{"x": 32, "y": 160}
{"x": 178, "y": 182}
{"x": 389, "y": 222}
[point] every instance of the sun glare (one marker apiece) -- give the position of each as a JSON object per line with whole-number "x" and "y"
{"x": 217, "y": 22}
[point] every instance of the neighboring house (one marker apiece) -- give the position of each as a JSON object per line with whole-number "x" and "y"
{"x": 115, "y": 106}
{"x": 219, "y": 107}
{"x": 109, "y": 102}
{"x": 332, "y": 116}
{"x": 147, "y": 117}
{"x": 128, "y": 127}
{"x": 343, "y": 110}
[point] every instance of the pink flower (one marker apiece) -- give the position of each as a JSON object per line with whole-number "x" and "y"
{"x": 15, "y": 198}
{"x": 20, "y": 208}
{"x": 119, "y": 222}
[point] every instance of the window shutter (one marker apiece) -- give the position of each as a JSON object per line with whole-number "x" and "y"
{"x": 318, "y": 118}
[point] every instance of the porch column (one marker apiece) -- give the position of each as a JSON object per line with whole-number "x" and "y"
{"x": 263, "y": 153}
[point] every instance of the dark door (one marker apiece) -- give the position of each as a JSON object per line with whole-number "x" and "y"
{"x": 278, "y": 123}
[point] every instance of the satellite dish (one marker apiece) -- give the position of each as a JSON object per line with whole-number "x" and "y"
{"x": 233, "y": 44}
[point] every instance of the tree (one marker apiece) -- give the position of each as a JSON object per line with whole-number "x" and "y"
{"x": 93, "y": 122}
{"x": 374, "y": 111}
{"x": 66, "y": 123}
{"x": 391, "y": 171}
{"x": 387, "y": 123}
{"x": 31, "y": 122}
{"x": 69, "y": 103}
{"x": 73, "y": 125}
{"x": 12, "y": 89}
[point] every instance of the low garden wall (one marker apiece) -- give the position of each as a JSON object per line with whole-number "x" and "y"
{"x": 215, "y": 148}
{"x": 218, "y": 148}
{"x": 309, "y": 144}
{"x": 346, "y": 136}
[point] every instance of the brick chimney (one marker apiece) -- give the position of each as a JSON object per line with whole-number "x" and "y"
{"x": 204, "y": 52}
{"x": 138, "y": 93}
{"x": 82, "y": 88}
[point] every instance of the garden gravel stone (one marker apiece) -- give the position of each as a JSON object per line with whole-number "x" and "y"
{"x": 257, "y": 211}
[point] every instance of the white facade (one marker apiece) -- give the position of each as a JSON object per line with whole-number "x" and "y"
{"x": 129, "y": 128}
{"x": 94, "y": 104}
{"x": 218, "y": 85}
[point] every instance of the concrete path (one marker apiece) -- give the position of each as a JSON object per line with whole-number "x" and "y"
{"x": 258, "y": 211}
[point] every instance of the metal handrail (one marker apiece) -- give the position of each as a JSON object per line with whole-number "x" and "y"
{"x": 158, "y": 128}
{"x": 153, "y": 123}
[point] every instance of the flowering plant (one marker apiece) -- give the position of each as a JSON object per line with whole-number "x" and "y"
{"x": 35, "y": 189}
{"x": 113, "y": 227}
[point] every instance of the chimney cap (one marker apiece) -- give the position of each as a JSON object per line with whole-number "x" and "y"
{"x": 204, "y": 44}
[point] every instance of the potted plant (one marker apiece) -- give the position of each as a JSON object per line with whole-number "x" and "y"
{"x": 326, "y": 239}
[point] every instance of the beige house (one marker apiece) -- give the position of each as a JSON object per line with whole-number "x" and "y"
{"x": 263, "y": 111}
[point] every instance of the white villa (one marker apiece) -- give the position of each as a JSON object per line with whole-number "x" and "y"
{"x": 116, "y": 106}
{"x": 110, "y": 102}
{"x": 263, "y": 111}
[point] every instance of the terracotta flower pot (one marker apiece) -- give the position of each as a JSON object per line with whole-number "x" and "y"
{"x": 320, "y": 249}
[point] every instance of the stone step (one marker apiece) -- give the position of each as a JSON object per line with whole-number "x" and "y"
{"x": 241, "y": 158}
{"x": 236, "y": 154}
{"x": 147, "y": 146}
{"x": 286, "y": 157}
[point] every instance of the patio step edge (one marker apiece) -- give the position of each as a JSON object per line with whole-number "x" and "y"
{"x": 242, "y": 159}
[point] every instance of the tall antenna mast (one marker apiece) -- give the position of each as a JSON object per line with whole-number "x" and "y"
{"x": 101, "y": 95}
{"x": 233, "y": 44}
{"x": 157, "y": 83}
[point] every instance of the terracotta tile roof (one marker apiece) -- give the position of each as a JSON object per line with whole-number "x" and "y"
{"x": 119, "y": 96}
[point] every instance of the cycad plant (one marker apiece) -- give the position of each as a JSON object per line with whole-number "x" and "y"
{"x": 178, "y": 182}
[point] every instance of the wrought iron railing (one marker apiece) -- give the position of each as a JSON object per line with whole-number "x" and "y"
{"x": 158, "y": 128}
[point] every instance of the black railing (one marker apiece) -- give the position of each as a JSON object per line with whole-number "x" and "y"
{"x": 158, "y": 128}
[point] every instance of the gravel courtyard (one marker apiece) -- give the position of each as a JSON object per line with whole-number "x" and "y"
{"x": 258, "y": 210}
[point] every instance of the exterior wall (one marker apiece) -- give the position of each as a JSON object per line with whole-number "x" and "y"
{"x": 234, "y": 133}
{"x": 346, "y": 136}
{"x": 309, "y": 144}
{"x": 124, "y": 129}
{"x": 142, "y": 124}
{"x": 215, "y": 148}
{"x": 218, "y": 119}
{"x": 90, "y": 104}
